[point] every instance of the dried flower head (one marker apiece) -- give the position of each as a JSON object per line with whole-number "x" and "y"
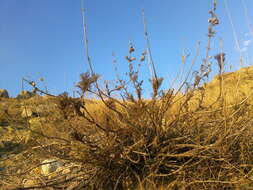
{"x": 32, "y": 83}
{"x": 86, "y": 81}
{"x": 220, "y": 59}
{"x": 213, "y": 21}
{"x": 131, "y": 49}
{"x": 130, "y": 59}
{"x": 142, "y": 58}
{"x": 156, "y": 84}
{"x": 197, "y": 80}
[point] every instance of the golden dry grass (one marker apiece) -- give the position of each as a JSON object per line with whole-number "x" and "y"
{"x": 191, "y": 146}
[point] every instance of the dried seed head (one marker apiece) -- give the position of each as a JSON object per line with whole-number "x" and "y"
{"x": 33, "y": 83}
{"x": 142, "y": 58}
{"x": 130, "y": 59}
{"x": 134, "y": 77}
{"x": 131, "y": 49}
{"x": 197, "y": 80}
{"x": 213, "y": 21}
{"x": 220, "y": 59}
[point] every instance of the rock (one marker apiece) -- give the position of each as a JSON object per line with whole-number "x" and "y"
{"x": 25, "y": 94}
{"x": 49, "y": 166}
{"x": 4, "y": 93}
{"x": 27, "y": 112}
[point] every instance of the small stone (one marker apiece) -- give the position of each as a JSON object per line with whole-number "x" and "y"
{"x": 27, "y": 112}
{"x": 49, "y": 166}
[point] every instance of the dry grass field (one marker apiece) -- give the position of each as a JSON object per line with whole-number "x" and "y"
{"x": 174, "y": 142}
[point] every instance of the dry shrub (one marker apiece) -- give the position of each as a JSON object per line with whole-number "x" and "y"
{"x": 166, "y": 142}
{"x": 163, "y": 143}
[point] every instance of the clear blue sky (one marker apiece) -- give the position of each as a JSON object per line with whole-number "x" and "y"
{"x": 44, "y": 38}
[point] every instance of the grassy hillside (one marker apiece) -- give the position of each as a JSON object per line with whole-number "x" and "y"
{"x": 173, "y": 142}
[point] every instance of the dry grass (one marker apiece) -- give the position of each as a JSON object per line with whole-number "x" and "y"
{"x": 133, "y": 145}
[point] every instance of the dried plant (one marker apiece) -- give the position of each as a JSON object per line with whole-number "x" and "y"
{"x": 86, "y": 82}
{"x": 220, "y": 58}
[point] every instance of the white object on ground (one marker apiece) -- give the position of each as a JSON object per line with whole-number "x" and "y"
{"x": 50, "y": 166}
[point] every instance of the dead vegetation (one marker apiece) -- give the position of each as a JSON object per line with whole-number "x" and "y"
{"x": 161, "y": 143}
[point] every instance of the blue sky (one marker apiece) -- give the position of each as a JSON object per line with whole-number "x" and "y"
{"x": 44, "y": 38}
